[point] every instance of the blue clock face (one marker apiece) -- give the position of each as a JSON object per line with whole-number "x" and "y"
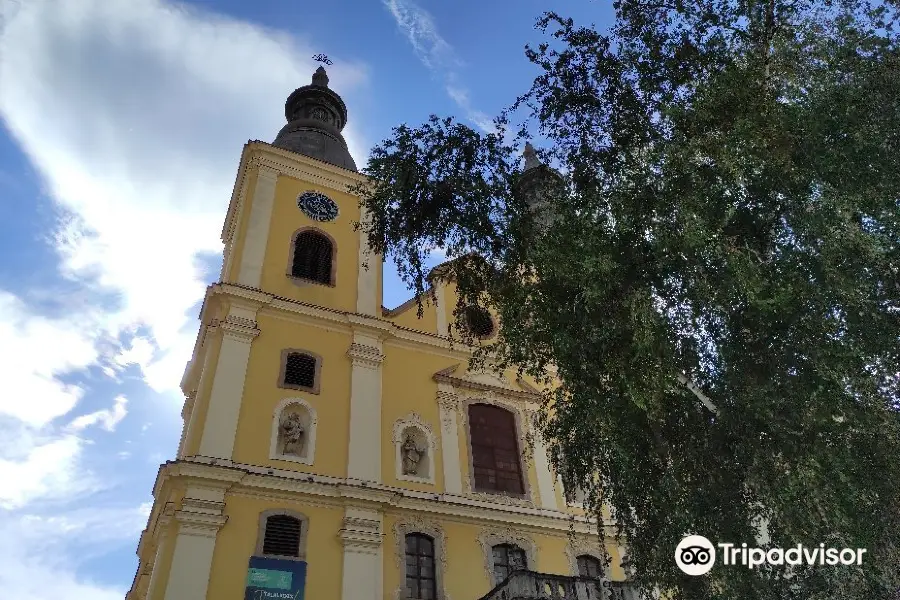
{"x": 318, "y": 207}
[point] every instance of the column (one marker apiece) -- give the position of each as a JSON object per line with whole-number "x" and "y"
{"x": 361, "y": 536}
{"x": 199, "y": 520}
{"x": 238, "y": 331}
{"x": 448, "y": 404}
{"x": 439, "y": 296}
{"x": 257, "y": 232}
{"x": 546, "y": 490}
{"x": 367, "y": 301}
{"x": 364, "y": 457}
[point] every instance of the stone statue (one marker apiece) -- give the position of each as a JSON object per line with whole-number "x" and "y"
{"x": 292, "y": 432}
{"x": 411, "y": 455}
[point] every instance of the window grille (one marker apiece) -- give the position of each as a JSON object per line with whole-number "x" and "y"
{"x": 282, "y": 536}
{"x": 300, "y": 370}
{"x": 312, "y": 257}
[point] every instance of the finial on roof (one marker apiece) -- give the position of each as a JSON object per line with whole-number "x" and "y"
{"x": 531, "y": 159}
{"x": 320, "y": 77}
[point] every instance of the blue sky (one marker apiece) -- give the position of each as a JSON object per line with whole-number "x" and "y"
{"x": 122, "y": 125}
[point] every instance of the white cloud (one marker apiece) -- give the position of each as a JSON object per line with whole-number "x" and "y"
{"x": 107, "y": 418}
{"x": 436, "y": 54}
{"x": 37, "y": 467}
{"x": 134, "y": 114}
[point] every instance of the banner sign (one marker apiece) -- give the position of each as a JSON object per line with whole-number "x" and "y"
{"x": 275, "y": 579}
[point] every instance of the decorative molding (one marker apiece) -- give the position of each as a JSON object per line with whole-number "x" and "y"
{"x": 200, "y": 517}
{"x": 489, "y": 538}
{"x": 448, "y": 402}
{"x": 579, "y": 546}
{"x": 407, "y": 525}
{"x": 483, "y": 382}
{"x": 311, "y": 428}
{"x": 414, "y": 420}
{"x": 361, "y": 535}
{"x": 365, "y": 356}
{"x": 236, "y": 328}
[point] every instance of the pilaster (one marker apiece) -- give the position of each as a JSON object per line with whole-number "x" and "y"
{"x": 546, "y": 489}
{"x": 364, "y": 456}
{"x": 238, "y": 331}
{"x": 257, "y": 233}
{"x": 441, "y": 308}
{"x": 448, "y": 404}
{"x": 367, "y": 301}
{"x": 362, "y": 537}
{"x": 199, "y": 520}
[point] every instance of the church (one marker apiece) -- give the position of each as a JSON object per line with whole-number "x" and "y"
{"x": 335, "y": 449}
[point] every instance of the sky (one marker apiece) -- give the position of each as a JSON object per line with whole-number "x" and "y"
{"x": 121, "y": 128}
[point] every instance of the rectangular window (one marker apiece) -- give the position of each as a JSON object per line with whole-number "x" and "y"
{"x": 496, "y": 462}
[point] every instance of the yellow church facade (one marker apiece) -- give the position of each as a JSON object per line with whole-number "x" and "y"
{"x": 334, "y": 449}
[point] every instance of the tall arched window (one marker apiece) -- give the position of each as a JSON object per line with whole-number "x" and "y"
{"x": 507, "y": 559}
{"x": 313, "y": 257}
{"x": 496, "y": 464}
{"x": 282, "y": 536}
{"x": 420, "y": 568}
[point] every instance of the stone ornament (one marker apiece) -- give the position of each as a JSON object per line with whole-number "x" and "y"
{"x": 292, "y": 432}
{"x": 412, "y": 455}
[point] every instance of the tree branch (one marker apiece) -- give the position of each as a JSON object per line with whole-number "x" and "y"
{"x": 696, "y": 390}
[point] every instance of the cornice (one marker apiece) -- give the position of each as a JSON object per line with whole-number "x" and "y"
{"x": 269, "y": 483}
{"x": 445, "y": 376}
{"x": 365, "y": 356}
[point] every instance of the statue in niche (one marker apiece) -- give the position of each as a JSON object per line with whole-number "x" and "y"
{"x": 412, "y": 456}
{"x": 292, "y": 432}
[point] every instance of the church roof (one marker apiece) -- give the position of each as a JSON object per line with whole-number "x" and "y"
{"x": 316, "y": 115}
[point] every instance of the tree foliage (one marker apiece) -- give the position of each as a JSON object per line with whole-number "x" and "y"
{"x": 717, "y": 286}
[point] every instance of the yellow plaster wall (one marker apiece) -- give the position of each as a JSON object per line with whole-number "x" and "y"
{"x": 286, "y": 220}
{"x": 236, "y": 543}
{"x": 408, "y": 318}
{"x": 262, "y": 395}
{"x": 407, "y": 387}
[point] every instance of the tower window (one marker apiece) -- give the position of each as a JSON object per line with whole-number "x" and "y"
{"x": 300, "y": 371}
{"x": 478, "y": 321}
{"x": 508, "y": 558}
{"x": 282, "y": 537}
{"x": 496, "y": 463}
{"x": 420, "y": 567}
{"x": 313, "y": 257}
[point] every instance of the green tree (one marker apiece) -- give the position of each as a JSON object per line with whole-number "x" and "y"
{"x": 712, "y": 271}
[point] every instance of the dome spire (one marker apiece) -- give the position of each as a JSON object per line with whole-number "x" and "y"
{"x": 315, "y": 116}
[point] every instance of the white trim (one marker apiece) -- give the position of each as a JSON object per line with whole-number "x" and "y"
{"x": 407, "y": 525}
{"x": 441, "y": 309}
{"x": 364, "y": 452}
{"x": 448, "y": 403}
{"x": 414, "y": 421}
{"x": 224, "y": 405}
{"x": 367, "y": 301}
{"x": 489, "y": 538}
{"x": 362, "y": 537}
{"x": 311, "y": 427}
{"x": 546, "y": 489}
{"x": 256, "y": 237}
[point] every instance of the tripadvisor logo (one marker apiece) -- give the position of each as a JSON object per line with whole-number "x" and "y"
{"x": 696, "y": 555}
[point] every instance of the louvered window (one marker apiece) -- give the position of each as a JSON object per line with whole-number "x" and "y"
{"x": 420, "y": 575}
{"x": 589, "y": 566}
{"x": 282, "y": 536}
{"x": 312, "y": 257}
{"x": 300, "y": 370}
{"x": 507, "y": 559}
{"x": 478, "y": 321}
{"x": 495, "y": 450}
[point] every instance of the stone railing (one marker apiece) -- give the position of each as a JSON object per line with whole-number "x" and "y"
{"x": 528, "y": 585}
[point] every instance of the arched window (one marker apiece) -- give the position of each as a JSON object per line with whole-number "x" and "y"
{"x": 282, "y": 536}
{"x": 507, "y": 559}
{"x": 313, "y": 257}
{"x": 420, "y": 568}
{"x": 589, "y": 566}
{"x": 496, "y": 464}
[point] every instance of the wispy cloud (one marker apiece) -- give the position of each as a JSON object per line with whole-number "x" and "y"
{"x": 107, "y": 418}
{"x": 437, "y": 55}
